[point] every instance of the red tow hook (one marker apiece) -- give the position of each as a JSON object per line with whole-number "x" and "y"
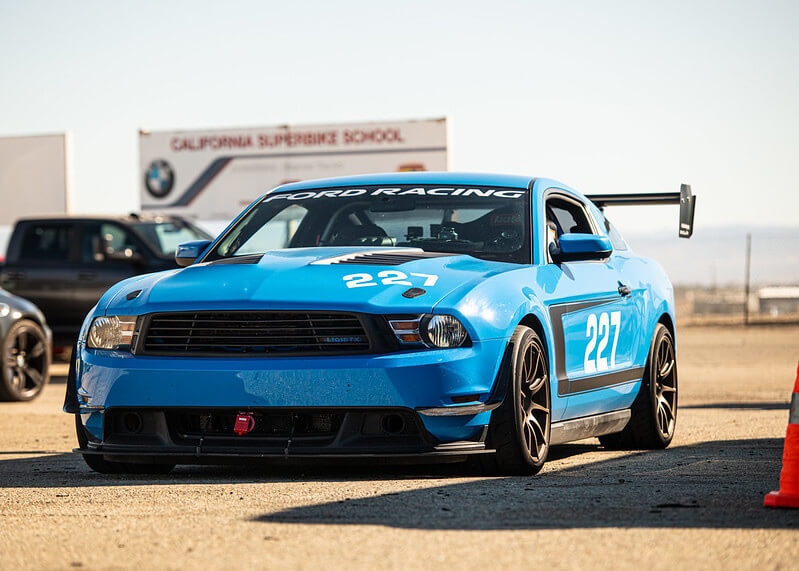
{"x": 245, "y": 422}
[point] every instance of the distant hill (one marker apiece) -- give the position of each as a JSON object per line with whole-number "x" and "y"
{"x": 715, "y": 256}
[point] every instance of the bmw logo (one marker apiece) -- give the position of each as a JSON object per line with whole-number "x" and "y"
{"x": 159, "y": 178}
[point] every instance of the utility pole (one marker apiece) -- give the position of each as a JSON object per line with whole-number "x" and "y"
{"x": 746, "y": 281}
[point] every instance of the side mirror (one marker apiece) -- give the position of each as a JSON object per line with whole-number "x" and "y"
{"x": 188, "y": 252}
{"x": 578, "y": 247}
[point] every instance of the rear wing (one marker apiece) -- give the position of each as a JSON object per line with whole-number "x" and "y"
{"x": 684, "y": 198}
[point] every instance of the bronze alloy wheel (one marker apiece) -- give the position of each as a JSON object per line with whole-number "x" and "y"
{"x": 519, "y": 428}
{"x": 665, "y": 379}
{"x": 534, "y": 400}
{"x": 653, "y": 415}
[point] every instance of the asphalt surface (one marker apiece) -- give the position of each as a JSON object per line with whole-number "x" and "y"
{"x": 697, "y": 504}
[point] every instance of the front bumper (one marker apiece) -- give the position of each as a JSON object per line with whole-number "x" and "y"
{"x": 450, "y": 388}
{"x": 186, "y": 435}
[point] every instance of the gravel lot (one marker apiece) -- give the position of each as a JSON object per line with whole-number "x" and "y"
{"x": 697, "y": 504}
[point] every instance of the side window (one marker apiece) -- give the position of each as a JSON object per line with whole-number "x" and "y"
{"x": 45, "y": 242}
{"x": 615, "y": 237}
{"x": 565, "y": 216}
{"x": 569, "y": 217}
{"x": 106, "y": 239}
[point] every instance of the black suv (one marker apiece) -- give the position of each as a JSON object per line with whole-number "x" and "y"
{"x": 65, "y": 264}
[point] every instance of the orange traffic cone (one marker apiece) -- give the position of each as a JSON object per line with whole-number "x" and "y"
{"x": 788, "y": 496}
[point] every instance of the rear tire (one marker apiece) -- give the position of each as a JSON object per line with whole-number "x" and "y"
{"x": 654, "y": 412}
{"x": 520, "y": 428}
{"x": 99, "y": 464}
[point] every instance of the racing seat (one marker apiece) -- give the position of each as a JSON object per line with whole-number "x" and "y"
{"x": 362, "y": 235}
{"x": 492, "y": 226}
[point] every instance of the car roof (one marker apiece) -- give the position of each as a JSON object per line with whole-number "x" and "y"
{"x": 418, "y": 177}
{"x": 122, "y": 218}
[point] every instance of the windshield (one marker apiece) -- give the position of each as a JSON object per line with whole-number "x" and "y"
{"x": 165, "y": 236}
{"x": 491, "y": 223}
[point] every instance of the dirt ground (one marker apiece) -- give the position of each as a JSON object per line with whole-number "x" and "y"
{"x": 697, "y": 504}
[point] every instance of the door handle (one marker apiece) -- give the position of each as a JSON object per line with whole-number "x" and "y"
{"x": 87, "y": 276}
{"x": 13, "y": 276}
{"x": 624, "y": 289}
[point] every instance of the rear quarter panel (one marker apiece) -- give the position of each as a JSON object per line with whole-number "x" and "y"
{"x": 657, "y": 299}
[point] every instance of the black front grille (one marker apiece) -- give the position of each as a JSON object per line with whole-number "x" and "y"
{"x": 257, "y": 333}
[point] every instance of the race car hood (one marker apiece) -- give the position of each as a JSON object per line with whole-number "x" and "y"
{"x": 306, "y": 278}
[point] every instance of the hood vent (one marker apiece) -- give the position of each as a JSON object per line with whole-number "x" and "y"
{"x": 248, "y": 259}
{"x": 381, "y": 258}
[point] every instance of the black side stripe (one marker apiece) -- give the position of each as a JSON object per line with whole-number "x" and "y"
{"x": 567, "y": 386}
{"x": 603, "y": 381}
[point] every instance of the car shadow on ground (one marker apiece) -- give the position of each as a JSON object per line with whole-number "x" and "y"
{"x": 706, "y": 485}
{"x": 776, "y": 405}
{"x": 52, "y": 469}
{"x": 717, "y": 484}
{"x": 55, "y": 469}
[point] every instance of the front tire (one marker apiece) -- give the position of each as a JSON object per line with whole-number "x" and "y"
{"x": 519, "y": 430}
{"x": 654, "y": 412}
{"x": 26, "y": 362}
{"x": 103, "y": 466}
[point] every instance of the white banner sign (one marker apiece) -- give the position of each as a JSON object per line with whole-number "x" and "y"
{"x": 213, "y": 175}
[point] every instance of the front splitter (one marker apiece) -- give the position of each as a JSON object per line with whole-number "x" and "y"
{"x": 444, "y": 452}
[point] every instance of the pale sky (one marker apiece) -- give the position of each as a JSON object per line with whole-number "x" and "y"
{"x": 605, "y": 96}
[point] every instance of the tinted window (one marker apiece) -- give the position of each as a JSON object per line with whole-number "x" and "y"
{"x": 46, "y": 242}
{"x": 112, "y": 238}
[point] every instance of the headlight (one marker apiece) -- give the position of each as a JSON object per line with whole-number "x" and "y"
{"x": 5, "y": 309}
{"x": 111, "y": 332}
{"x": 443, "y": 331}
{"x": 439, "y": 331}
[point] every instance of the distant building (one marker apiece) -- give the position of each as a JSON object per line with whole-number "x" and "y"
{"x": 779, "y": 300}
{"x": 716, "y": 302}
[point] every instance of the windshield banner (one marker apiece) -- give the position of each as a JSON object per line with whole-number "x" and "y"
{"x": 396, "y": 191}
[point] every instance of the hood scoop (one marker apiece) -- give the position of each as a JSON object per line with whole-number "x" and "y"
{"x": 381, "y": 257}
{"x": 248, "y": 259}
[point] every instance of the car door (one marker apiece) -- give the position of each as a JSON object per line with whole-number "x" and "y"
{"x": 594, "y": 318}
{"x": 42, "y": 270}
{"x": 628, "y": 267}
{"x": 109, "y": 253}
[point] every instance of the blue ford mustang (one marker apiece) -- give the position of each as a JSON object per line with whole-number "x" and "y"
{"x": 406, "y": 316}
